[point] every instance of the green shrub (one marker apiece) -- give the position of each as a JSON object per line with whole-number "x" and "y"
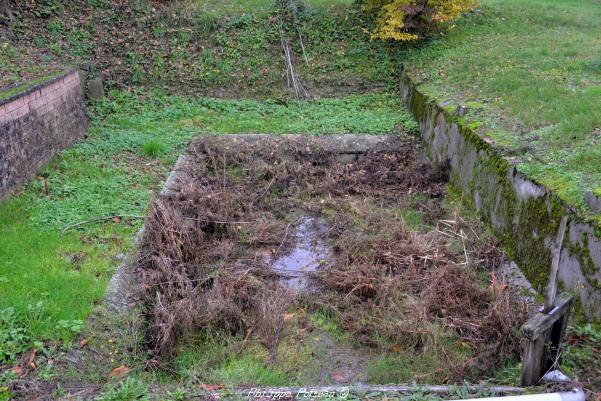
{"x": 13, "y": 336}
{"x": 5, "y": 394}
{"x": 68, "y": 329}
{"x": 410, "y": 20}
{"x": 45, "y": 8}
{"x": 55, "y": 27}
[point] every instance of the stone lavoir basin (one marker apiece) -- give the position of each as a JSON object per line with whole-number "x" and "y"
{"x": 327, "y": 259}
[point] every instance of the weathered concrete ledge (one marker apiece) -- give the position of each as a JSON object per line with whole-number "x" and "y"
{"x": 522, "y": 213}
{"x": 342, "y": 144}
{"x": 122, "y": 286}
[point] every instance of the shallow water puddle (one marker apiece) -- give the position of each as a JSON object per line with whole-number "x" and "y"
{"x": 308, "y": 253}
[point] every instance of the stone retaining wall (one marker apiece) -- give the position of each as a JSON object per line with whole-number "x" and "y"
{"x": 522, "y": 213}
{"x": 36, "y": 124}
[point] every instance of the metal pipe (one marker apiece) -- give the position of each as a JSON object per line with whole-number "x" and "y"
{"x": 576, "y": 395}
{"x": 342, "y": 392}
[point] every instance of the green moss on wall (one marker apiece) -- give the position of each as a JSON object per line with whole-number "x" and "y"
{"x": 582, "y": 252}
{"x": 525, "y": 227}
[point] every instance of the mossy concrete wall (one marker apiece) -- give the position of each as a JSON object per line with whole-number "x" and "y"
{"x": 522, "y": 213}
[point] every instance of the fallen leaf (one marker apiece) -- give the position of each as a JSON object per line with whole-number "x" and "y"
{"x": 18, "y": 370}
{"x": 338, "y": 377}
{"x": 497, "y": 286}
{"x": 120, "y": 371}
{"x": 211, "y": 387}
{"x": 84, "y": 342}
{"x": 288, "y": 316}
{"x": 116, "y": 219}
{"x": 30, "y": 361}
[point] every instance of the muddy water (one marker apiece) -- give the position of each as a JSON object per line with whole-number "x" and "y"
{"x": 308, "y": 253}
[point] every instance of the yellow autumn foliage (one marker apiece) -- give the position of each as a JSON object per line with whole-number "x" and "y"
{"x": 408, "y": 20}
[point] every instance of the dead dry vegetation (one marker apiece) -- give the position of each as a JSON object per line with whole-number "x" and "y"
{"x": 207, "y": 247}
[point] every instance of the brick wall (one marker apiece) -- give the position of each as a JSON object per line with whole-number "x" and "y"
{"x": 37, "y": 124}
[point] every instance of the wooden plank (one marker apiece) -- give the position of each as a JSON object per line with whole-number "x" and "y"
{"x": 552, "y": 285}
{"x": 531, "y": 363}
{"x": 541, "y": 322}
{"x": 543, "y": 335}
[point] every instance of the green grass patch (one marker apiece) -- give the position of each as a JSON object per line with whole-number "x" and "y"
{"x": 152, "y": 148}
{"x": 426, "y": 366}
{"x": 325, "y": 321}
{"x": 402, "y": 368}
{"x": 220, "y": 359}
{"x": 145, "y": 115}
{"x": 48, "y": 278}
{"x": 508, "y": 375}
{"x": 129, "y": 389}
{"x": 22, "y": 67}
{"x": 535, "y": 79}
{"x": 413, "y": 219}
{"x": 233, "y": 7}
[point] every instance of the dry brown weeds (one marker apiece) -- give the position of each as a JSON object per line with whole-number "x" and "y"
{"x": 203, "y": 267}
{"x": 415, "y": 289}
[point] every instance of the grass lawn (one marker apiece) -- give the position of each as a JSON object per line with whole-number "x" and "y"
{"x": 48, "y": 277}
{"x": 530, "y": 70}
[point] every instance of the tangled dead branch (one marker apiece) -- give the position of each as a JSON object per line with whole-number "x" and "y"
{"x": 292, "y": 78}
{"x": 288, "y": 19}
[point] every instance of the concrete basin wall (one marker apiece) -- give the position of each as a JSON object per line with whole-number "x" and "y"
{"x": 522, "y": 213}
